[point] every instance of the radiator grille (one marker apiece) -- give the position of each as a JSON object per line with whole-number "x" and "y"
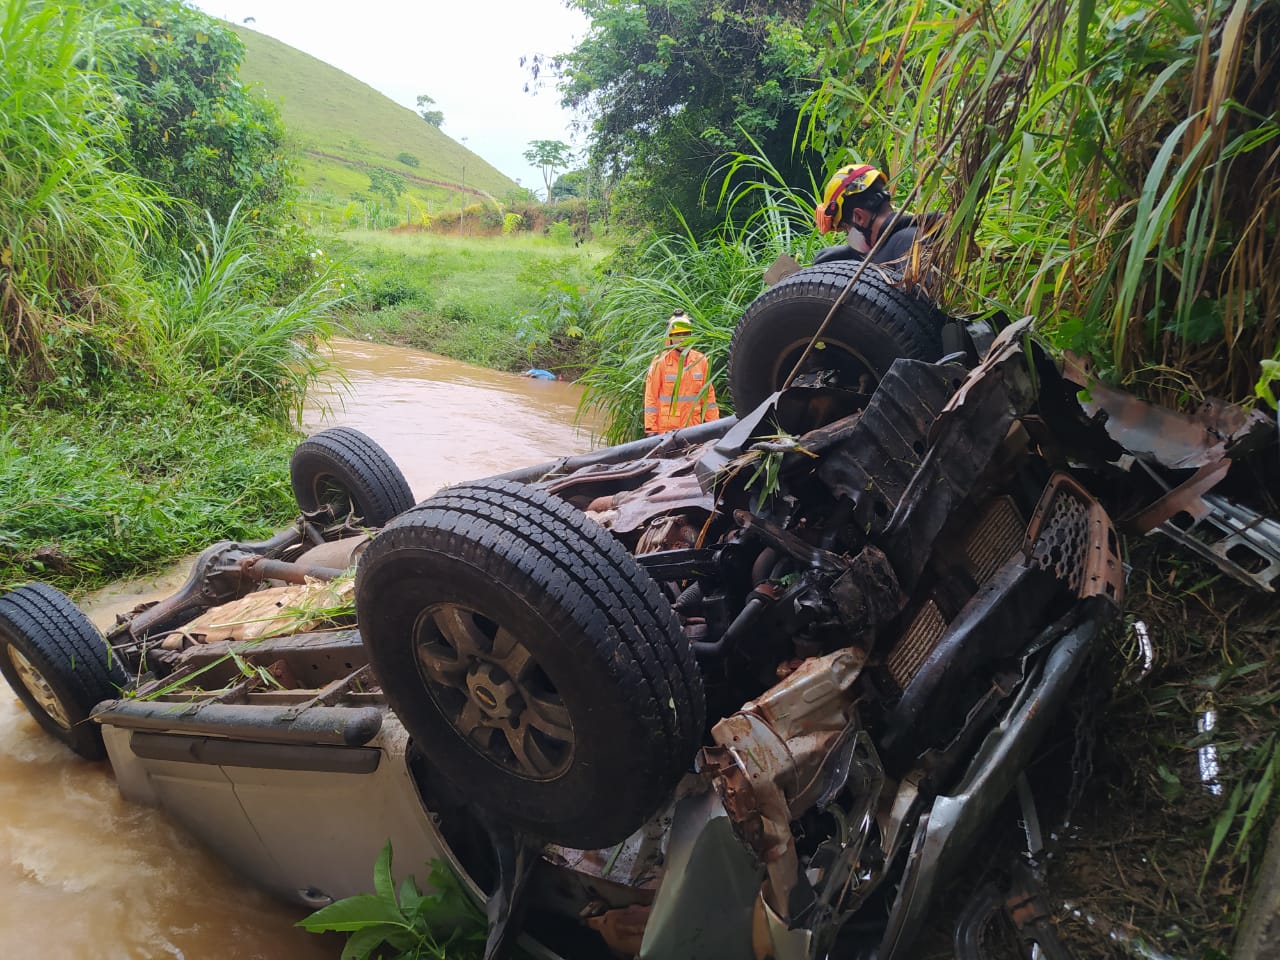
{"x": 909, "y": 653}
{"x": 1063, "y": 545}
{"x": 994, "y": 539}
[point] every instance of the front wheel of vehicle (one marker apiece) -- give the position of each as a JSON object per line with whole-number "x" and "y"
{"x": 534, "y": 662}
{"x": 58, "y": 664}
{"x": 348, "y": 473}
{"x": 877, "y": 324}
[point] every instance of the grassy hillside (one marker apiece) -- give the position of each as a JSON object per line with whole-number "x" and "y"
{"x": 343, "y": 128}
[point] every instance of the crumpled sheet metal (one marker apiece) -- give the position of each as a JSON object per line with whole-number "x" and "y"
{"x": 768, "y": 762}
{"x": 670, "y": 487}
{"x": 1071, "y": 535}
{"x": 1174, "y": 440}
{"x": 264, "y": 613}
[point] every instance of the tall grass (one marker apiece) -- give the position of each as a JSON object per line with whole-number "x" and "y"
{"x": 713, "y": 280}
{"x": 494, "y": 301}
{"x": 70, "y": 224}
{"x": 133, "y": 479}
{"x": 1111, "y": 166}
{"x": 216, "y": 336}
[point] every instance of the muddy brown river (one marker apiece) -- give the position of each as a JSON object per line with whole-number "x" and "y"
{"x": 83, "y": 874}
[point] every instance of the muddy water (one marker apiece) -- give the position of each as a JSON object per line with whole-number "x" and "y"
{"x": 83, "y": 874}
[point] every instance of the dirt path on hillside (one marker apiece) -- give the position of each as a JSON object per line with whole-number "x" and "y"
{"x": 411, "y": 177}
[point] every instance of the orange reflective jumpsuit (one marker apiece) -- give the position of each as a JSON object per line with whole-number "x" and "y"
{"x": 678, "y": 391}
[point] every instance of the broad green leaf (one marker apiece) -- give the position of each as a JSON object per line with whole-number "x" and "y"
{"x": 383, "y": 884}
{"x": 361, "y": 944}
{"x": 353, "y": 913}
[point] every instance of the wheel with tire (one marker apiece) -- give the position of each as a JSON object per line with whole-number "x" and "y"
{"x": 533, "y": 660}
{"x": 877, "y": 324}
{"x": 347, "y": 472}
{"x": 58, "y": 664}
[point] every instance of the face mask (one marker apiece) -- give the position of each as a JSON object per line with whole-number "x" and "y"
{"x": 860, "y": 238}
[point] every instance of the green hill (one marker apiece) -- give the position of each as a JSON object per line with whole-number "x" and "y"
{"x": 343, "y": 129}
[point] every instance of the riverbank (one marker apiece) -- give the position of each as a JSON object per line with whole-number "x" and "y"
{"x": 133, "y": 479}
{"x": 507, "y": 303}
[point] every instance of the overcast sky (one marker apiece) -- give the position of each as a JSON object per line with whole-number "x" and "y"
{"x": 464, "y": 54}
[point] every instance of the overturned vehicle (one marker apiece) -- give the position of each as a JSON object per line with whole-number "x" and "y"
{"x": 752, "y": 689}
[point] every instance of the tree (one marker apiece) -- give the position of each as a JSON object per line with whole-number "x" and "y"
{"x": 386, "y": 183}
{"x": 433, "y": 117}
{"x": 549, "y": 156}
{"x": 193, "y": 127}
{"x": 672, "y": 87}
{"x": 571, "y": 184}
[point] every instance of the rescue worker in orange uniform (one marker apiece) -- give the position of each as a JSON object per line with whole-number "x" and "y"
{"x": 677, "y": 390}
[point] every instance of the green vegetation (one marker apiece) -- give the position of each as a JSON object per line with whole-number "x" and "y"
{"x": 671, "y": 87}
{"x": 1098, "y": 164}
{"x": 549, "y": 156}
{"x": 218, "y": 339}
{"x": 135, "y": 362}
{"x": 444, "y": 925}
{"x": 190, "y": 124}
{"x": 70, "y": 224}
{"x": 345, "y": 130}
{"x": 1101, "y": 164}
{"x": 130, "y": 480}
{"x": 506, "y": 303}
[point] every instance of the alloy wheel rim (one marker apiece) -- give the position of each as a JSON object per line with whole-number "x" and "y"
{"x": 36, "y": 685}
{"x": 494, "y": 692}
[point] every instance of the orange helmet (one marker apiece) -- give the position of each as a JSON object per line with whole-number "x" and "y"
{"x": 859, "y": 180}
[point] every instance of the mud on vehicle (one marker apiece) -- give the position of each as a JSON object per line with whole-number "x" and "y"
{"x": 754, "y": 688}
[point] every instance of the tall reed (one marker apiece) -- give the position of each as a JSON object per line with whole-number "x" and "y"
{"x": 70, "y": 224}
{"x": 1110, "y": 166}
{"x": 215, "y": 335}
{"x": 713, "y": 280}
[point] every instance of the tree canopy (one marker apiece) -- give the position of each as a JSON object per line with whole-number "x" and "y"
{"x": 193, "y": 127}
{"x": 433, "y": 117}
{"x": 549, "y": 156}
{"x": 670, "y": 87}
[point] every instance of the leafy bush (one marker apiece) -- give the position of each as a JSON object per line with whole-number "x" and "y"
{"x": 556, "y": 326}
{"x": 192, "y": 126}
{"x": 445, "y": 925}
{"x": 408, "y": 159}
{"x": 561, "y": 232}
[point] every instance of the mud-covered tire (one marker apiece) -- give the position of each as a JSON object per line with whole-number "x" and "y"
{"x": 877, "y": 324}
{"x": 58, "y": 664}
{"x": 348, "y": 471}
{"x": 495, "y": 575}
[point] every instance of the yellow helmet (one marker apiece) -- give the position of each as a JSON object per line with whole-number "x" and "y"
{"x": 851, "y": 181}
{"x": 678, "y": 325}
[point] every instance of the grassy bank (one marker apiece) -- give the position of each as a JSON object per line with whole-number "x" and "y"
{"x": 503, "y": 302}
{"x": 131, "y": 481}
